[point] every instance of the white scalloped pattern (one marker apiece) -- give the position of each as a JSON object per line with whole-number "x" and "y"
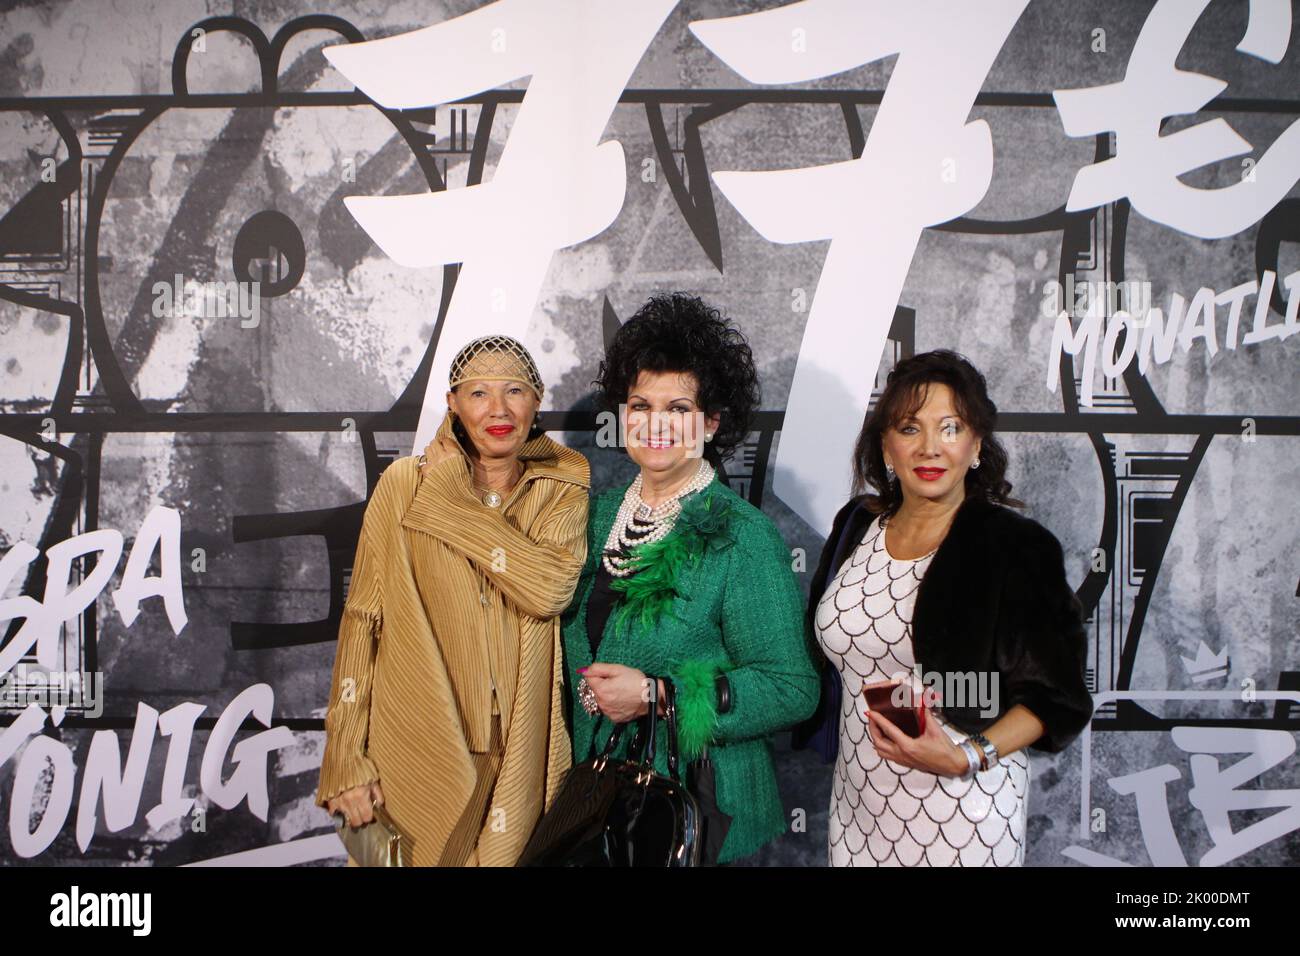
{"x": 882, "y": 813}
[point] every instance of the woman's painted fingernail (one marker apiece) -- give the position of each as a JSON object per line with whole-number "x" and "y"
{"x": 582, "y": 670}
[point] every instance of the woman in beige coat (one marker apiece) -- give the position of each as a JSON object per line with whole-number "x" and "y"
{"x": 445, "y": 703}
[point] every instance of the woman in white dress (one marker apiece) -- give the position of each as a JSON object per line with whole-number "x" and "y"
{"x": 935, "y": 581}
{"x": 887, "y": 813}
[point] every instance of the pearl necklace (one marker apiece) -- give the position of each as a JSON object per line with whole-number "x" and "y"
{"x": 623, "y": 537}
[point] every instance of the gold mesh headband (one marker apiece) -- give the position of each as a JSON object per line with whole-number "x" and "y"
{"x": 495, "y": 357}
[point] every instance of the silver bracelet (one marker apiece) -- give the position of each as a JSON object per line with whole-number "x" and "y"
{"x": 972, "y": 758}
{"x": 988, "y": 752}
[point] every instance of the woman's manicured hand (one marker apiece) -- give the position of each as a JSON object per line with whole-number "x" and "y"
{"x": 357, "y": 803}
{"x": 933, "y": 751}
{"x": 620, "y": 691}
{"x": 438, "y": 451}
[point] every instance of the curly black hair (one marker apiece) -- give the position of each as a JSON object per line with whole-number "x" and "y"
{"x": 680, "y": 333}
{"x": 905, "y": 392}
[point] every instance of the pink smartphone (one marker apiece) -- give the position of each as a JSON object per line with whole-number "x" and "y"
{"x": 909, "y": 718}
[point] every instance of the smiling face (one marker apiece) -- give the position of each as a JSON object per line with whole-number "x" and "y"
{"x": 496, "y": 414}
{"x": 664, "y": 428}
{"x": 931, "y": 449}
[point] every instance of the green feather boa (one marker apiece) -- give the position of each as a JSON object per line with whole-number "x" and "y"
{"x": 702, "y": 525}
{"x": 697, "y": 705}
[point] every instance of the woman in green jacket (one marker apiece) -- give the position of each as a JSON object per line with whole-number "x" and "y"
{"x": 685, "y": 580}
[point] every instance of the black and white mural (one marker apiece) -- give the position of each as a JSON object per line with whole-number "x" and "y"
{"x": 240, "y": 242}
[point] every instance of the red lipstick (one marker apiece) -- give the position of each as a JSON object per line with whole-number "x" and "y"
{"x": 930, "y": 474}
{"x": 496, "y": 431}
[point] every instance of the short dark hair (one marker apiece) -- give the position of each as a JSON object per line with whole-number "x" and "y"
{"x": 678, "y": 332}
{"x": 905, "y": 392}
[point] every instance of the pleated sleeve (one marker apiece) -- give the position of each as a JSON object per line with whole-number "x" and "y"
{"x": 347, "y": 721}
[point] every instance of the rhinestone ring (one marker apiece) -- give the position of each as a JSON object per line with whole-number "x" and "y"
{"x": 587, "y": 697}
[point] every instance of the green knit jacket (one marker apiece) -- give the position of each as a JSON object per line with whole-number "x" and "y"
{"x": 716, "y": 594}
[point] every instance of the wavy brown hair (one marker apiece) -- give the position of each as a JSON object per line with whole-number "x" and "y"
{"x": 905, "y": 392}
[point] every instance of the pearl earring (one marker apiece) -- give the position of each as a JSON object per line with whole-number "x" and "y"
{"x": 975, "y": 463}
{"x": 889, "y": 471}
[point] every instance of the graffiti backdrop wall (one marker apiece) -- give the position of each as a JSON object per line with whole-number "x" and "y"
{"x": 239, "y": 244}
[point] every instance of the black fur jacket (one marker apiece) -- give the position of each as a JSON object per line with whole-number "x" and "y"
{"x": 994, "y": 599}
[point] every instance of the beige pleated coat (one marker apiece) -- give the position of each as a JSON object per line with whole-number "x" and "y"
{"x": 449, "y": 600}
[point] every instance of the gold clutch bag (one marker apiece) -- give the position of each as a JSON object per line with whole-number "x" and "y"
{"x": 378, "y": 843}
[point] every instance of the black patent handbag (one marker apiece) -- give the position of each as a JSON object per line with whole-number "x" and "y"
{"x": 621, "y": 813}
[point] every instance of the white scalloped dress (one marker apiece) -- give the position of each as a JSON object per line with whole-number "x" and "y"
{"x": 882, "y": 813}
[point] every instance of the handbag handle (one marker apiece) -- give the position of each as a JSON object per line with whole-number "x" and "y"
{"x": 643, "y": 740}
{"x": 607, "y": 751}
{"x": 670, "y": 714}
{"x": 642, "y": 746}
{"x": 652, "y": 717}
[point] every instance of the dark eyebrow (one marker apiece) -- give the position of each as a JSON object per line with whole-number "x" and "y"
{"x": 683, "y": 398}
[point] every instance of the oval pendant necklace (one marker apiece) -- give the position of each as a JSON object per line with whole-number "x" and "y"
{"x": 491, "y": 497}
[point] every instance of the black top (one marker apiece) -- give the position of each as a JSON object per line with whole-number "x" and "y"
{"x": 600, "y": 604}
{"x": 603, "y": 598}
